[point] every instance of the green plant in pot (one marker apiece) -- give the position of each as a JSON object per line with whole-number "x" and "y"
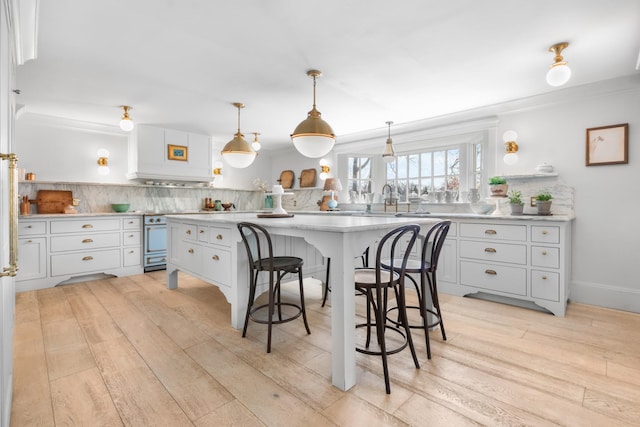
{"x": 516, "y": 203}
{"x": 498, "y": 186}
{"x": 543, "y": 202}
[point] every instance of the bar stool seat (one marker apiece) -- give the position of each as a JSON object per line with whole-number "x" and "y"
{"x": 259, "y": 248}
{"x": 374, "y": 283}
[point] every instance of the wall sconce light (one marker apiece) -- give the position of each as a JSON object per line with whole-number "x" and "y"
{"x": 126, "y": 124}
{"x": 256, "y": 144}
{"x": 313, "y": 137}
{"x": 389, "y": 155}
{"x": 103, "y": 162}
{"x": 238, "y": 153}
{"x": 559, "y": 73}
{"x": 324, "y": 169}
{"x": 509, "y": 138}
{"x": 217, "y": 172}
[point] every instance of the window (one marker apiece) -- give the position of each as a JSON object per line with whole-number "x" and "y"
{"x": 359, "y": 175}
{"x": 418, "y": 174}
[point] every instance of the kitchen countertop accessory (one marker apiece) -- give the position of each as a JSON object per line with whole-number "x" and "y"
{"x": 120, "y": 207}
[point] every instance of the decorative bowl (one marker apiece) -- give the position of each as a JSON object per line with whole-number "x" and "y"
{"x": 481, "y": 208}
{"x": 120, "y": 207}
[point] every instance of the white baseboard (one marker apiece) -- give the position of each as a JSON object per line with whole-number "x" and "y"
{"x": 605, "y": 296}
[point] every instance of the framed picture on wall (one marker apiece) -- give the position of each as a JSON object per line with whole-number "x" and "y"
{"x": 608, "y": 145}
{"x": 178, "y": 152}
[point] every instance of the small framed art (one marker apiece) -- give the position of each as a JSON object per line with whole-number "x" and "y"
{"x": 608, "y": 145}
{"x": 178, "y": 152}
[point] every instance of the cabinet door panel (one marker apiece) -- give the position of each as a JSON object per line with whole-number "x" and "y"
{"x": 33, "y": 258}
{"x": 545, "y": 285}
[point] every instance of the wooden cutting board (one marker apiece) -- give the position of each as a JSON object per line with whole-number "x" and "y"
{"x": 286, "y": 179}
{"x": 308, "y": 178}
{"x": 53, "y": 201}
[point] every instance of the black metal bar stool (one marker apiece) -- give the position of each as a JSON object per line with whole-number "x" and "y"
{"x": 257, "y": 242}
{"x": 374, "y": 282}
{"x": 426, "y": 267}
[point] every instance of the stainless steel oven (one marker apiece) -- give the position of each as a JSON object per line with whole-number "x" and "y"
{"x": 155, "y": 242}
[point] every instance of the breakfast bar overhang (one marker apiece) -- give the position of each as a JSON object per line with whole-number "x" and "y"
{"x": 206, "y": 245}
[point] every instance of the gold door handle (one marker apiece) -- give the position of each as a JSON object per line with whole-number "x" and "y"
{"x": 490, "y": 250}
{"x": 201, "y": 231}
{"x": 29, "y": 226}
{"x": 87, "y": 226}
{"x": 190, "y": 250}
{"x": 87, "y": 241}
{"x": 544, "y": 277}
{"x": 219, "y": 237}
{"x": 544, "y": 231}
{"x": 544, "y": 252}
{"x": 131, "y": 235}
{"x": 188, "y": 231}
{"x": 490, "y": 232}
{"x": 215, "y": 258}
{"x": 87, "y": 258}
{"x": 12, "y": 270}
{"x": 491, "y": 272}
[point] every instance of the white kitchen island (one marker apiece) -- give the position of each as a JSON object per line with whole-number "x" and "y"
{"x": 210, "y": 247}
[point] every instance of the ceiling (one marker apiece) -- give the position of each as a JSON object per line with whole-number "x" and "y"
{"x": 181, "y": 63}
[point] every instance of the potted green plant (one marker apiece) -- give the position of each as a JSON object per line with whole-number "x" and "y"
{"x": 516, "y": 203}
{"x": 498, "y": 186}
{"x": 543, "y": 202}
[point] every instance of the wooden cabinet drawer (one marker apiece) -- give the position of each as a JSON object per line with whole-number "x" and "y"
{"x": 545, "y": 234}
{"x": 84, "y": 241}
{"x": 31, "y": 228}
{"x": 189, "y": 254}
{"x": 85, "y": 262}
{"x": 512, "y": 280}
{"x": 131, "y": 238}
{"x": 492, "y": 251}
{"x": 220, "y": 236}
{"x": 131, "y": 256}
{"x": 132, "y": 223}
{"x": 542, "y": 256}
{"x": 78, "y": 226}
{"x": 217, "y": 264}
{"x": 189, "y": 231}
{"x": 494, "y": 231}
{"x": 545, "y": 285}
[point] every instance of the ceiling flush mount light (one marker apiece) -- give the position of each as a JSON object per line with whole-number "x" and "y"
{"x": 313, "y": 137}
{"x": 324, "y": 169}
{"x": 388, "y": 155}
{"x": 559, "y": 73}
{"x": 509, "y": 138}
{"x": 256, "y": 144}
{"x": 126, "y": 124}
{"x": 103, "y": 162}
{"x": 238, "y": 153}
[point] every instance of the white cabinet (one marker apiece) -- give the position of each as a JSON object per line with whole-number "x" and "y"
{"x": 60, "y": 248}
{"x": 523, "y": 260}
{"x": 149, "y": 155}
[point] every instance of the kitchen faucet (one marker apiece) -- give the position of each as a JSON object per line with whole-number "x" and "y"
{"x": 388, "y": 201}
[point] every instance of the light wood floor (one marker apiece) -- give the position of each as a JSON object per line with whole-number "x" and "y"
{"x": 127, "y": 351}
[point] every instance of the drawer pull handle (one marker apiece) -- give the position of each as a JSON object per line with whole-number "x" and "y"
{"x": 215, "y": 258}
{"x": 188, "y": 231}
{"x": 219, "y": 237}
{"x": 131, "y": 235}
{"x": 544, "y": 231}
{"x": 490, "y": 250}
{"x": 190, "y": 250}
{"x": 87, "y": 258}
{"x": 87, "y": 226}
{"x": 490, "y": 232}
{"x": 544, "y": 252}
{"x": 29, "y": 241}
{"x": 87, "y": 241}
{"x": 491, "y": 272}
{"x": 544, "y": 277}
{"x": 131, "y": 252}
{"x": 29, "y": 226}
{"x": 201, "y": 231}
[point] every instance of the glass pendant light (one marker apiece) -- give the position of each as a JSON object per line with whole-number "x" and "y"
{"x": 238, "y": 153}
{"x": 126, "y": 124}
{"x": 313, "y": 137}
{"x": 256, "y": 144}
{"x": 389, "y": 155}
{"x": 559, "y": 73}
